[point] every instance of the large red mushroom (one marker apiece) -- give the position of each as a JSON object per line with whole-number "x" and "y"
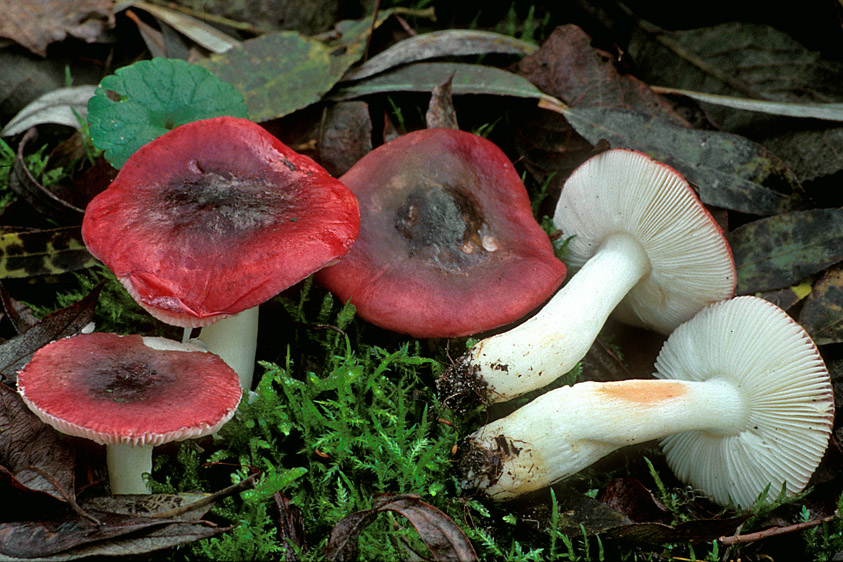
{"x": 213, "y": 218}
{"x": 448, "y": 244}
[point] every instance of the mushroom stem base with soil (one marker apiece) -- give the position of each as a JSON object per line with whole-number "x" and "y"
{"x": 552, "y": 342}
{"x": 127, "y": 464}
{"x": 235, "y": 340}
{"x": 570, "y": 428}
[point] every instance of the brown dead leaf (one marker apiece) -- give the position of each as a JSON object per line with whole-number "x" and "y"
{"x": 19, "y": 502}
{"x": 139, "y": 545}
{"x": 822, "y": 315}
{"x": 440, "y": 110}
{"x": 630, "y": 497}
{"x": 439, "y": 533}
{"x": 37, "y": 23}
{"x": 151, "y": 505}
{"x": 38, "y": 539}
{"x": 34, "y": 454}
{"x": 550, "y": 149}
{"x": 569, "y": 68}
{"x": 114, "y": 526}
{"x": 68, "y": 321}
{"x": 20, "y": 315}
{"x": 787, "y": 297}
{"x": 290, "y": 527}
{"x": 153, "y": 38}
{"x": 345, "y": 136}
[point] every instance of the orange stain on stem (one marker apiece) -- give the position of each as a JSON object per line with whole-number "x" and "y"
{"x": 642, "y": 391}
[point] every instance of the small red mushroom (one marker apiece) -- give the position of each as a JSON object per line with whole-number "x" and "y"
{"x": 448, "y": 244}
{"x": 212, "y": 219}
{"x": 129, "y": 393}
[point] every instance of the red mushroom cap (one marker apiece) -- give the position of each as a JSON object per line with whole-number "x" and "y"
{"x": 448, "y": 244}
{"x": 129, "y": 389}
{"x": 216, "y": 217}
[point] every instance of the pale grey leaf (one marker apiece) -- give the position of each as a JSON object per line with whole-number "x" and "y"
{"x": 65, "y": 106}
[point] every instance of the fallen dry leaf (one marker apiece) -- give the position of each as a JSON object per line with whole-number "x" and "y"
{"x": 439, "y": 533}
{"x": 345, "y": 136}
{"x": 68, "y": 321}
{"x": 569, "y": 68}
{"x": 290, "y": 527}
{"x": 781, "y": 250}
{"x": 822, "y": 315}
{"x": 630, "y": 497}
{"x": 440, "y": 110}
{"x": 117, "y": 533}
{"x": 34, "y": 456}
{"x": 37, "y": 23}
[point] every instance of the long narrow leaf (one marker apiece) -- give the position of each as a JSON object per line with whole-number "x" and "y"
{"x": 827, "y": 111}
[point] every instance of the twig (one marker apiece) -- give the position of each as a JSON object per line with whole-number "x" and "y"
{"x": 313, "y": 326}
{"x": 774, "y": 531}
{"x": 372, "y": 29}
{"x": 209, "y": 499}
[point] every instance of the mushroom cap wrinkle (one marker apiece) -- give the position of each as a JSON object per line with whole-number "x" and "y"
{"x": 625, "y": 191}
{"x": 216, "y": 217}
{"x": 129, "y": 390}
{"x": 448, "y": 243}
{"x": 785, "y": 384}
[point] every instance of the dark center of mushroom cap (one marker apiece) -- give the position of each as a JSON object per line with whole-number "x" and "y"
{"x": 443, "y": 226}
{"x": 128, "y": 381}
{"x": 217, "y": 204}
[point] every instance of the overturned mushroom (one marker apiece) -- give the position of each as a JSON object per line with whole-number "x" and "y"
{"x": 215, "y": 217}
{"x": 448, "y": 244}
{"x": 645, "y": 248}
{"x": 744, "y": 403}
{"x": 129, "y": 393}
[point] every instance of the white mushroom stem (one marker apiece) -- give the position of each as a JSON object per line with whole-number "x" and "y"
{"x": 551, "y": 343}
{"x": 569, "y": 428}
{"x": 127, "y": 464}
{"x": 235, "y": 339}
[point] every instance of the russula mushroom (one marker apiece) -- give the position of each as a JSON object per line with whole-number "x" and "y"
{"x": 743, "y": 401}
{"x": 213, "y": 218}
{"x": 644, "y": 247}
{"x": 448, "y": 244}
{"x": 129, "y": 393}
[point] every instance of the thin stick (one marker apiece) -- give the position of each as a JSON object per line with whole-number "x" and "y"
{"x": 372, "y": 29}
{"x": 209, "y": 499}
{"x": 774, "y": 531}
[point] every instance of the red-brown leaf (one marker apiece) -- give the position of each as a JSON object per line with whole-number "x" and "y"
{"x": 37, "y": 23}
{"x": 439, "y": 533}
{"x": 34, "y": 455}
{"x": 68, "y": 321}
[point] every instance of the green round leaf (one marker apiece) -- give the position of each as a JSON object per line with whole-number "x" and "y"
{"x": 141, "y": 102}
